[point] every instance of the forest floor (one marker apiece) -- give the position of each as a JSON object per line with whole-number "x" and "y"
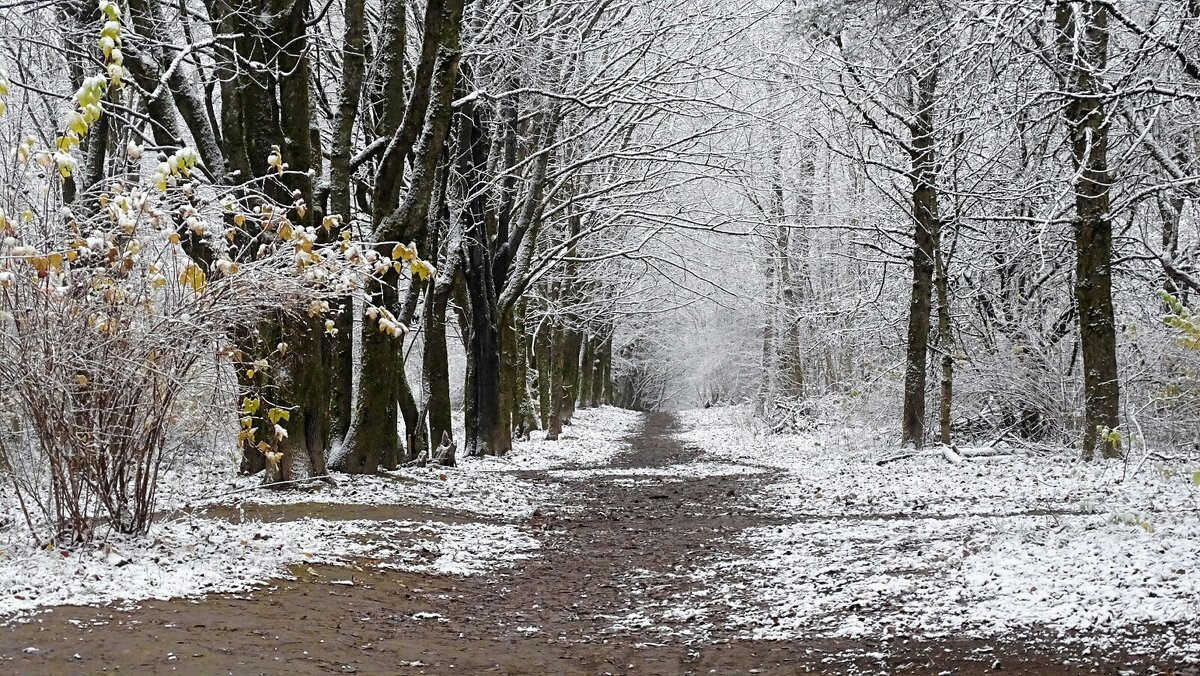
{"x": 656, "y": 544}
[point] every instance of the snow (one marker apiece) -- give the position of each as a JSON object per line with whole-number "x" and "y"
{"x": 1100, "y": 554}
{"x": 594, "y": 438}
{"x": 926, "y": 547}
{"x": 487, "y": 494}
{"x": 197, "y": 556}
{"x": 191, "y": 554}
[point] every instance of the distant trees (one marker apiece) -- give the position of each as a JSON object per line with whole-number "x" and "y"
{"x": 992, "y": 114}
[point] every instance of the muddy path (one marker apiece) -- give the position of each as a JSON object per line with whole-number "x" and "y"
{"x": 621, "y": 545}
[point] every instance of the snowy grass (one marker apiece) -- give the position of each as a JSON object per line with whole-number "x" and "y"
{"x": 925, "y": 547}
{"x": 196, "y": 555}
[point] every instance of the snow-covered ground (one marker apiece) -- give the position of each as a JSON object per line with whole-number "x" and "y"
{"x": 593, "y": 439}
{"x": 188, "y": 553}
{"x": 923, "y": 546}
{"x": 1100, "y": 553}
{"x": 197, "y": 556}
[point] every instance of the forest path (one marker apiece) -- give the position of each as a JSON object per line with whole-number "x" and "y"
{"x": 626, "y": 543}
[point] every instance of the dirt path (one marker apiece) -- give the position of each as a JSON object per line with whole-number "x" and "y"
{"x": 621, "y": 547}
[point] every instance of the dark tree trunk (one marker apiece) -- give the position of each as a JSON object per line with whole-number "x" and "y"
{"x": 543, "y": 349}
{"x": 597, "y": 394}
{"x": 484, "y": 429}
{"x": 374, "y": 440}
{"x": 926, "y": 226}
{"x": 381, "y": 393}
{"x": 290, "y": 386}
{"x": 507, "y": 401}
{"x": 435, "y": 362}
{"x": 340, "y": 205}
{"x": 523, "y": 418}
{"x": 558, "y": 384}
{"x": 945, "y": 344}
{"x": 572, "y": 343}
{"x": 1082, "y": 35}
{"x": 585, "y": 373}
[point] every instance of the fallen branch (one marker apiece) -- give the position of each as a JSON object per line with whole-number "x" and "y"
{"x": 951, "y": 454}
{"x": 906, "y": 456}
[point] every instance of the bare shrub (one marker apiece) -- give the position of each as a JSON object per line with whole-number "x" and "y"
{"x": 107, "y": 320}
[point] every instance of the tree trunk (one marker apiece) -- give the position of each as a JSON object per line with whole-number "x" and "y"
{"x": 374, "y": 439}
{"x": 558, "y": 386}
{"x": 523, "y": 419}
{"x": 506, "y": 404}
{"x": 340, "y": 205}
{"x": 945, "y": 343}
{"x": 926, "y": 226}
{"x": 288, "y": 385}
{"x": 765, "y": 393}
{"x": 482, "y": 406}
{"x": 585, "y": 372}
{"x": 435, "y": 361}
{"x": 597, "y": 393}
{"x": 572, "y": 342}
{"x": 544, "y": 360}
{"x": 1082, "y": 40}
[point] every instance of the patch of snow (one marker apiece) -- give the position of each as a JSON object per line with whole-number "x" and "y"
{"x": 197, "y": 556}
{"x": 594, "y": 438}
{"x": 926, "y": 547}
{"x": 462, "y": 489}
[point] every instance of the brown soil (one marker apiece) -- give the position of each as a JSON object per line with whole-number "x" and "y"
{"x": 617, "y": 548}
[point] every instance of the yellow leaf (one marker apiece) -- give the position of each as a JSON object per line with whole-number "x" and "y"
{"x": 421, "y": 269}
{"x": 192, "y": 276}
{"x": 407, "y": 253}
{"x": 250, "y": 406}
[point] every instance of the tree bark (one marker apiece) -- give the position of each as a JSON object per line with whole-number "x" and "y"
{"x": 585, "y": 372}
{"x": 558, "y": 385}
{"x": 374, "y": 435}
{"x": 945, "y": 343}
{"x": 544, "y": 360}
{"x": 340, "y": 204}
{"x": 1082, "y": 41}
{"x": 926, "y": 226}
